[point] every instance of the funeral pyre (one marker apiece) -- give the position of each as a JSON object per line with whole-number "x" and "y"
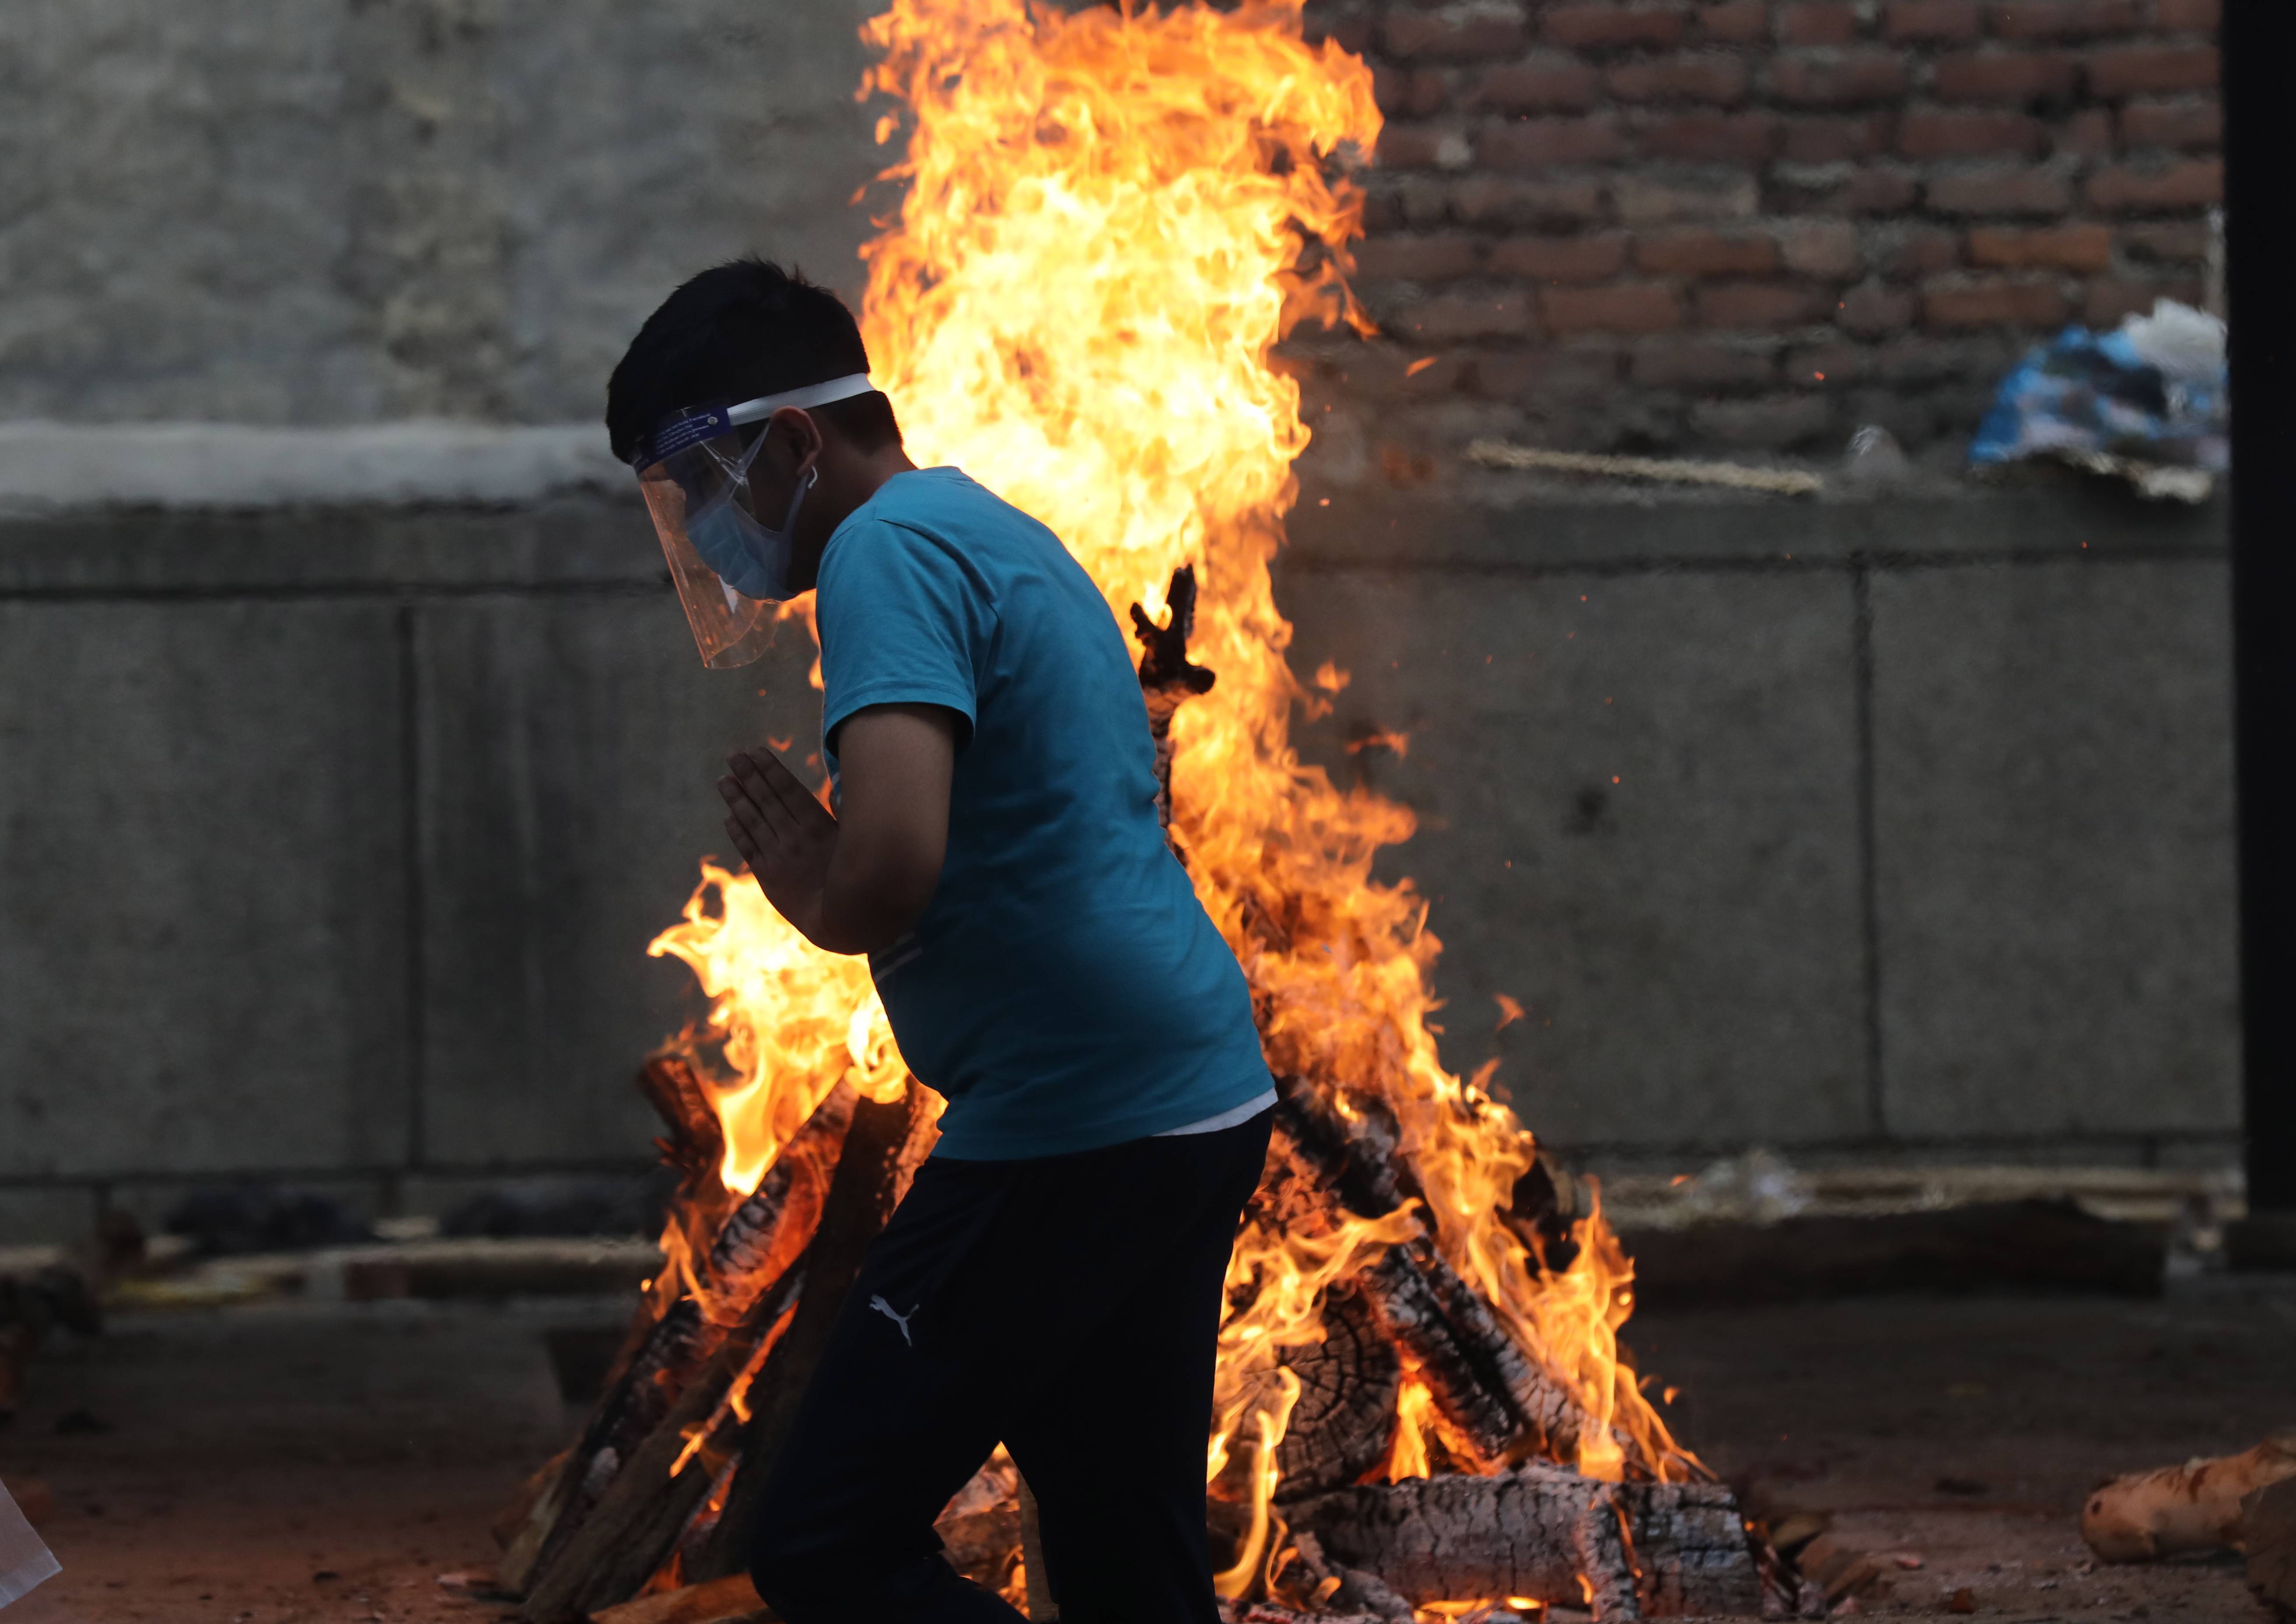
{"x": 1107, "y": 219}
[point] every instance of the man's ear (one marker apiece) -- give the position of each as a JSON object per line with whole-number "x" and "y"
{"x": 792, "y": 436}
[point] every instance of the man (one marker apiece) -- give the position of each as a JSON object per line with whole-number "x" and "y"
{"x": 1053, "y": 1279}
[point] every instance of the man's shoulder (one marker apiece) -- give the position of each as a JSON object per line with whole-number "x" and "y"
{"x": 949, "y": 502}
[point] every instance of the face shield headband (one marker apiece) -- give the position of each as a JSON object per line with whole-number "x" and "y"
{"x": 731, "y": 567}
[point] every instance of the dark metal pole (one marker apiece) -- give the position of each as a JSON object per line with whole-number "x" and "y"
{"x": 2260, "y": 265}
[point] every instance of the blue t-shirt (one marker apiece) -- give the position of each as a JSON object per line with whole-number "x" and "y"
{"x": 1064, "y": 990}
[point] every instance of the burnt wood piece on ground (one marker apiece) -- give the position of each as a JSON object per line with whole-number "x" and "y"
{"x": 756, "y": 1246}
{"x": 1488, "y": 1391}
{"x": 634, "y": 1523}
{"x": 1167, "y": 677}
{"x": 2046, "y": 1245}
{"x": 862, "y": 1195}
{"x": 1648, "y": 1549}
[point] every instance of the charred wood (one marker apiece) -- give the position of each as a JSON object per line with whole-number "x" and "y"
{"x": 1167, "y": 677}
{"x": 754, "y": 1251}
{"x": 1490, "y": 1394}
{"x": 1647, "y": 1549}
{"x": 1343, "y": 1422}
{"x": 630, "y": 1528}
{"x": 860, "y": 1198}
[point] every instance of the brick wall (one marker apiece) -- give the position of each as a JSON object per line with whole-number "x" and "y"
{"x": 1674, "y": 225}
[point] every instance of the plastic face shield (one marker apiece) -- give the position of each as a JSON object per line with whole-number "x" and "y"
{"x": 693, "y": 472}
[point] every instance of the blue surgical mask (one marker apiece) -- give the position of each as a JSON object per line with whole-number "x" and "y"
{"x": 751, "y": 559}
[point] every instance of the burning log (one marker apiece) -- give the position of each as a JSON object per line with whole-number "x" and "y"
{"x": 1343, "y": 1423}
{"x": 881, "y": 1152}
{"x": 1647, "y": 1549}
{"x": 630, "y": 1528}
{"x": 1167, "y": 676}
{"x": 753, "y": 1253}
{"x": 1488, "y": 1393}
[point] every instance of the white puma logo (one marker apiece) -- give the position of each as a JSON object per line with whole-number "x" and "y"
{"x": 902, "y": 1320}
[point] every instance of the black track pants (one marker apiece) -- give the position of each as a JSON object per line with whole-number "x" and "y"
{"x": 1067, "y": 1307}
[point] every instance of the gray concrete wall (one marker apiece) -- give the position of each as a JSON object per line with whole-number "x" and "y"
{"x": 274, "y": 211}
{"x": 329, "y": 842}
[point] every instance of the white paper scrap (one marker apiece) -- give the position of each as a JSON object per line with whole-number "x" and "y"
{"x": 25, "y": 1561}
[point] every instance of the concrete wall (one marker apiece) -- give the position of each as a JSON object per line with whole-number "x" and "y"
{"x": 332, "y": 841}
{"x": 277, "y": 211}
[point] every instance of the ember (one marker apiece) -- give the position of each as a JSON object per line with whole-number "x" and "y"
{"x": 1109, "y": 220}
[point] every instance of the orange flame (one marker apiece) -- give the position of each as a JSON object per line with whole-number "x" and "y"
{"x": 1109, "y": 219}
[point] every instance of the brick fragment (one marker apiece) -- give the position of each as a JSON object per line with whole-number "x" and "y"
{"x": 1595, "y": 258}
{"x": 1932, "y": 22}
{"x": 1839, "y": 79}
{"x": 1699, "y": 251}
{"x": 2030, "y": 189}
{"x": 1560, "y": 376}
{"x": 1492, "y": 200}
{"x": 2017, "y": 77}
{"x": 1776, "y": 423}
{"x": 1643, "y": 200}
{"x": 1836, "y": 140}
{"x": 1423, "y": 146}
{"x": 1385, "y": 371}
{"x": 1620, "y": 307}
{"x": 2167, "y": 242}
{"x": 1585, "y": 26}
{"x": 1818, "y": 22}
{"x": 1919, "y": 251}
{"x": 1418, "y": 259}
{"x": 2088, "y": 134}
{"x": 1934, "y": 359}
{"x": 1703, "y": 364}
{"x": 1821, "y": 247}
{"x": 2191, "y": 16}
{"x": 1415, "y": 95}
{"x": 1712, "y": 137}
{"x": 1534, "y": 144}
{"x": 1994, "y": 301}
{"x": 1875, "y": 192}
{"x": 1870, "y": 308}
{"x": 2179, "y": 124}
{"x": 2152, "y": 70}
{"x": 1542, "y": 84}
{"x": 2124, "y": 189}
{"x": 1705, "y": 76}
{"x": 1760, "y": 306}
{"x": 1734, "y": 22}
{"x": 1965, "y": 134}
{"x": 1467, "y": 315}
{"x": 1351, "y": 34}
{"x": 2064, "y": 18}
{"x": 2066, "y": 248}
{"x": 1828, "y": 365}
{"x": 2108, "y": 301}
{"x": 1447, "y": 37}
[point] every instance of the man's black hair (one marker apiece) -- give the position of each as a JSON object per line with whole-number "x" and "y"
{"x": 738, "y": 330}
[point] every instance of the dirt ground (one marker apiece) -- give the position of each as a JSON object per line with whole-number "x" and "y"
{"x": 285, "y": 1462}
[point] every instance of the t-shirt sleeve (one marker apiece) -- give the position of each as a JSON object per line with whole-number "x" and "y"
{"x": 902, "y": 622}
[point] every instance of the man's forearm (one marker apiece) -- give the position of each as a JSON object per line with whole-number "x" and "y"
{"x": 868, "y": 900}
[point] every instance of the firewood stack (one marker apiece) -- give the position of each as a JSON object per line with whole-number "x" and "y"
{"x": 719, "y": 1352}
